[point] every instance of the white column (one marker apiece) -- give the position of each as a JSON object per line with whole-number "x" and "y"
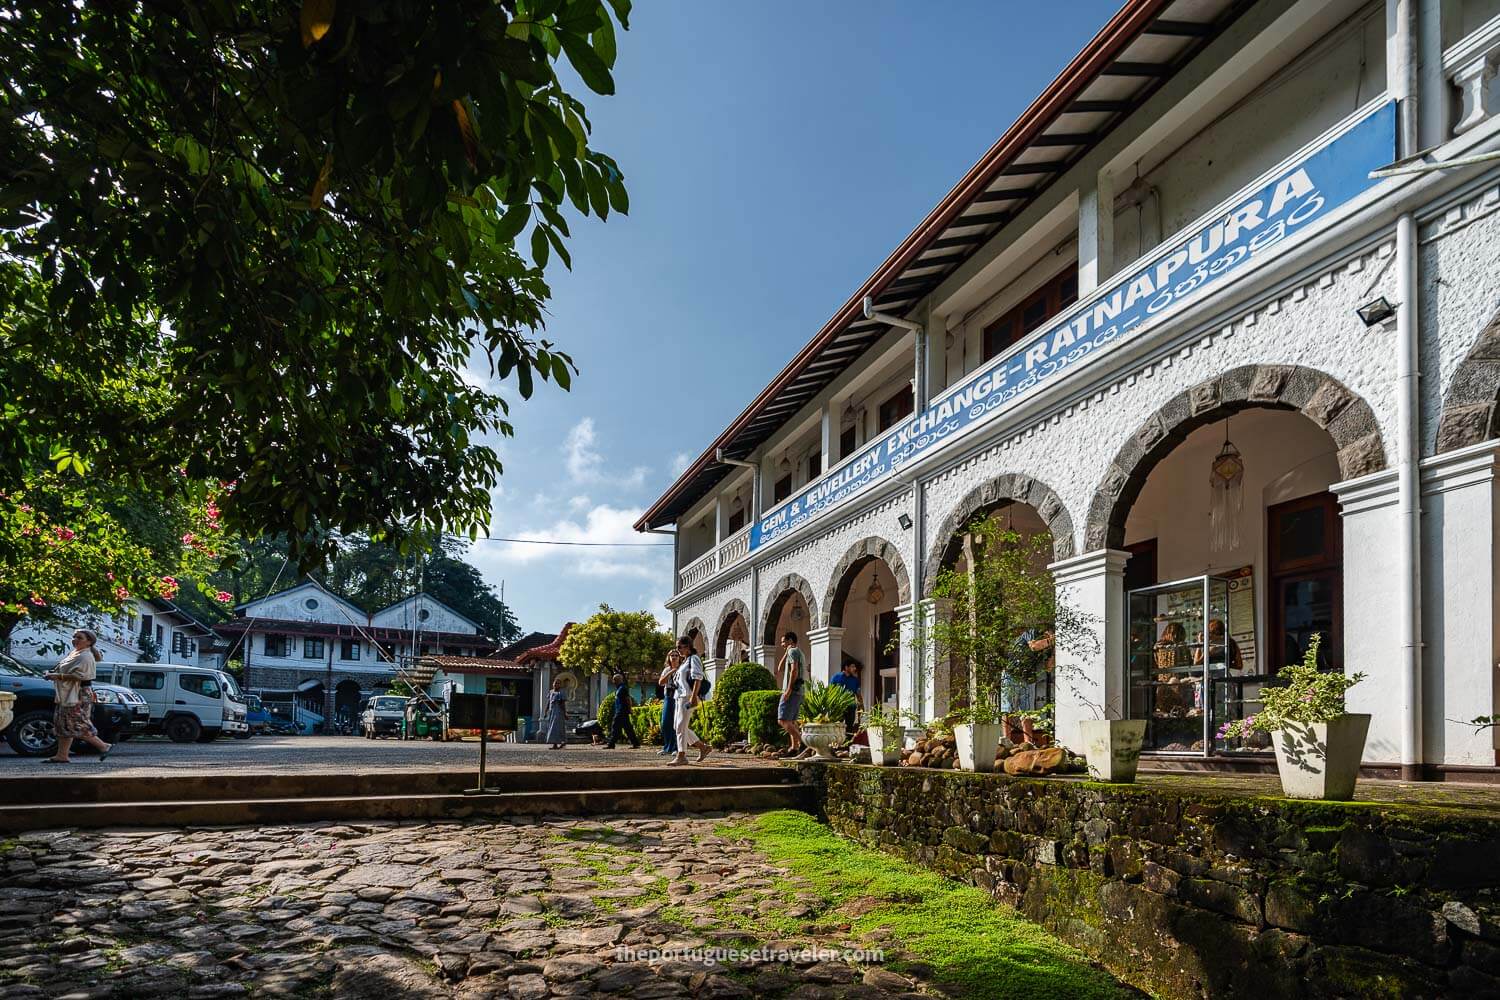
{"x": 828, "y": 433}
{"x": 721, "y": 520}
{"x": 936, "y": 367}
{"x": 1372, "y": 610}
{"x": 1096, "y": 233}
{"x": 714, "y": 666}
{"x": 936, "y": 694}
{"x": 1460, "y": 625}
{"x": 907, "y": 674}
{"x": 767, "y": 655}
{"x": 1091, "y": 684}
{"x": 827, "y": 652}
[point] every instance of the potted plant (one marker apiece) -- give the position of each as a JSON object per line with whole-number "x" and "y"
{"x": 883, "y": 727}
{"x": 1003, "y": 630}
{"x": 823, "y": 709}
{"x": 1318, "y": 745}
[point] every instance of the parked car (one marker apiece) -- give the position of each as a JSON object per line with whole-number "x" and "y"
{"x": 187, "y": 703}
{"x": 382, "y": 715}
{"x": 119, "y": 713}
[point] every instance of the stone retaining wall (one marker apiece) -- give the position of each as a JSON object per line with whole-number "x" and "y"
{"x": 1202, "y": 893}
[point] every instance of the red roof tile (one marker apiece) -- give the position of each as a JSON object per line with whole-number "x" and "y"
{"x": 547, "y": 652}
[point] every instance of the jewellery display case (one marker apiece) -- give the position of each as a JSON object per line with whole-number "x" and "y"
{"x": 1186, "y": 676}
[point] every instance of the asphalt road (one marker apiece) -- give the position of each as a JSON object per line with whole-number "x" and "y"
{"x": 271, "y": 754}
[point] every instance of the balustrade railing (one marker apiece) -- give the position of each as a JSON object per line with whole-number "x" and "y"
{"x": 724, "y": 555}
{"x": 1470, "y": 66}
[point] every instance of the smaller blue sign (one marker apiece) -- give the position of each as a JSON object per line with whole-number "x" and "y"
{"x": 1256, "y": 228}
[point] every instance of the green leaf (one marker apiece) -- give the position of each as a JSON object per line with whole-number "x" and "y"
{"x": 591, "y": 69}
{"x": 561, "y": 373}
{"x": 512, "y": 222}
{"x": 539, "y": 247}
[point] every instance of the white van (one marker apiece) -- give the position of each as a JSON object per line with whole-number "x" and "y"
{"x": 187, "y": 703}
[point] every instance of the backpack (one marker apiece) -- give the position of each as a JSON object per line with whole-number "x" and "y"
{"x": 704, "y": 686}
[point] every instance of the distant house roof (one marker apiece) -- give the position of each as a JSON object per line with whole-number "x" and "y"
{"x": 530, "y": 640}
{"x": 476, "y": 665}
{"x": 547, "y": 652}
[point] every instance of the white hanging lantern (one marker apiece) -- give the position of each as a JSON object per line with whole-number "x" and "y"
{"x": 1226, "y": 483}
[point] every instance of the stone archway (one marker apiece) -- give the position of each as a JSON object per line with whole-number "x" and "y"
{"x": 1015, "y": 487}
{"x": 734, "y": 609}
{"x": 781, "y": 591}
{"x": 848, "y": 567}
{"x": 699, "y": 631}
{"x": 1325, "y": 401}
{"x": 1470, "y": 414}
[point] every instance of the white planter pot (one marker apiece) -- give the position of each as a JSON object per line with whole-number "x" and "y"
{"x": 1321, "y": 760}
{"x": 883, "y": 753}
{"x": 977, "y": 745}
{"x": 7, "y": 707}
{"x": 823, "y": 737}
{"x": 910, "y": 735}
{"x": 1112, "y": 747}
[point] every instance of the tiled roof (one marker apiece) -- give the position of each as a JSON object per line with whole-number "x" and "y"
{"x": 530, "y": 640}
{"x": 475, "y": 665}
{"x": 547, "y": 652}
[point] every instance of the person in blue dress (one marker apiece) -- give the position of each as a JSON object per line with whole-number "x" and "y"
{"x": 667, "y": 681}
{"x": 557, "y": 716}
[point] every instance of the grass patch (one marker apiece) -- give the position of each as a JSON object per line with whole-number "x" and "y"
{"x": 975, "y": 947}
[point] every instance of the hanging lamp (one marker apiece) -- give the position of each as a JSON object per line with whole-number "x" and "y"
{"x": 1226, "y": 482}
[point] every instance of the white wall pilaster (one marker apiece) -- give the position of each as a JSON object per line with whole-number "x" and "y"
{"x": 1460, "y": 626}
{"x": 827, "y": 652}
{"x": 1372, "y": 612}
{"x": 714, "y": 666}
{"x": 1096, "y": 233}
{"x": 907, "y": 675}
{"x": 933, "y": 672}
{"x": 1091, "y": 683}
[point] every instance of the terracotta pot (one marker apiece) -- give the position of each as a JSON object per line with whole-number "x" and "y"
{"x": 1320, "y": 760}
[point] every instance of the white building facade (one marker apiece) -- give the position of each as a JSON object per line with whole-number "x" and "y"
{"x": 1178, "y": 255}
{"x": 153, "y": 628}
{"x": 308, "y": 645}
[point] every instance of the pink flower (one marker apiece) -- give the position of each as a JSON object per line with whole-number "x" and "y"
{"x": 38, "y": 601}
{"x": 66, "y": 534}
{"x": 110, "y": 577}
{"x": 223, "y": 597}
{"x": 187, "y": 539}
{"x": 121, "y": 593}
{"x": 26, "y": 508}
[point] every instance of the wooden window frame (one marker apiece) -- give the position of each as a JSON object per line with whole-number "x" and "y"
{"x": 1055, "y": 295}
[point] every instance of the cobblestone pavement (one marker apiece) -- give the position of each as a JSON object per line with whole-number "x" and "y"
{"x": 521, "y": 910}
{"x": 144, "y": 756}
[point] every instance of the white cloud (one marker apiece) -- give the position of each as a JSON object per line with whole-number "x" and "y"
{"x": 586, "y": 465}
{"x": 680, "y": 462}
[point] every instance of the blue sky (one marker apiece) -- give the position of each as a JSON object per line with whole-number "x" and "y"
{"x": 775, "y": 154}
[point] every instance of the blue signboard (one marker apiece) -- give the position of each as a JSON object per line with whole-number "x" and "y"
{"x": 1258, "y": 227}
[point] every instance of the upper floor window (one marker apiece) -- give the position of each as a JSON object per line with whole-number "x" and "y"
{"x": 311, "y": 604}
{"x": 349, "y": 650}
{"x": 1037, "y": 308}
{"x": 895, "y": 409}
{"x": 312, "y": 649}
{"x": 736, "y": 520}
{"x": 847, "y": 441}
{"x": 814, "y": 465}
{"x": 276, "y": 645}
{"x": 782, "y": 489}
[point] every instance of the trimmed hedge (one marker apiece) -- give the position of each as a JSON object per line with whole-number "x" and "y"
{"x": 736, "y": 679}
{"x": 709, "y": 722}
{"x": 645, "y": 717}
{"x": 758, "y": 713}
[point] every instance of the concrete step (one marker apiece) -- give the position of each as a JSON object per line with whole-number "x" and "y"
{"x": 53, "y": 789}
{"x": 672, "y": 799}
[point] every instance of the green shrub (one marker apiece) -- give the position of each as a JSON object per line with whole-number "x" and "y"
{"x": 607, "y": 711}
{"x": 710, "y": 722}
{"x": 758, "y": 715}
{"x": 736, "y": 679}
{"x": 826, "y": 703}
{"x": 646, "y": 718}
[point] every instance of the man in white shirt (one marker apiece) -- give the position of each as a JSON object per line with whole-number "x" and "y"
{"x": 688, "y": 682}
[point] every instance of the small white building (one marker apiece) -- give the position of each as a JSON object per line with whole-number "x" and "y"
{"x": 1190, "y": 247}
{"x": 307, "y": 645}
{"x": 154, "y": 627}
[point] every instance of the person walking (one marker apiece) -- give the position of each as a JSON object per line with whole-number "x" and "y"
{"x": 848, "y": 679}
{"x": 668, "y": 683}
{"x": 557, "y": 716}
{"x": 689, "y": 682}
{"x": 72, "y": 680}
{"x": 620, "y": 721}
{"x": 791, "y": 670}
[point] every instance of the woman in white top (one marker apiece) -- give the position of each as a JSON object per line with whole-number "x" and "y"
{"x": 689, "y": 679}
{"x": 72, "y": 680}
